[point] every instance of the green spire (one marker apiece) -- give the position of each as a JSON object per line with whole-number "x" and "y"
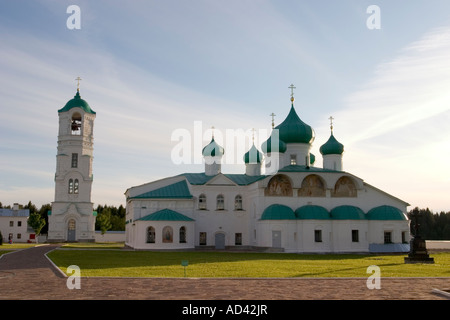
{"x": 332, "y": 146}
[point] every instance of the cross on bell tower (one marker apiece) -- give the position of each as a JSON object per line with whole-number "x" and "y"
{"x": 78, "y": 83}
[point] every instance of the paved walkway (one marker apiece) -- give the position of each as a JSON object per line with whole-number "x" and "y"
{"x": 28, "y": 274}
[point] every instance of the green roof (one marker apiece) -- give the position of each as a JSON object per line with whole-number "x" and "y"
{"x": 178, "y": 190}
{"x": 297, "y": 168}
{"x": 165, "y": 215}
{"x": 243, "y": 179}
{"x": 312, "y": 212}
{"x": 197, "y": 178}
{"x": 347, "y": 213}
{"x": 294, "y": 130}
{"x": 385, "y": 213}
{"x": 240, "y": 179}
{"x": 332, "y": 146}
{"x": 77, "y": 102}
{"x": 278, "y": 212}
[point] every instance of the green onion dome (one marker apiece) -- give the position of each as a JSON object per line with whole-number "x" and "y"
{"x": 278, "y": 145}
{"x": 77, "y": 102}
{"x": 312, "y": 158}
{"x": 294, "y": 130}
{"x": 332, "y": 146}
{"x": 213, "y": 149}
{"x": 253, "y": 156}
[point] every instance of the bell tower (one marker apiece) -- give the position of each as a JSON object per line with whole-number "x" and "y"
{"x": 72, "y": 217}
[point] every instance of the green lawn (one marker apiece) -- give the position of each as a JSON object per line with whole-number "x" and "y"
{"x": 95, "y": 245}
{"x": 225, "y": 264}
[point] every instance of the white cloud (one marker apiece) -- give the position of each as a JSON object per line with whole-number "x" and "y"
{"x": 395, "y": 128}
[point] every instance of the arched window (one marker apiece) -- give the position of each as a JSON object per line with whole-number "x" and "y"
{"x": 150, "y": 235}
{"x": 71, "y": 225}
{"x": 75, "y": 125}
{"x": 238, "y": 202}
{"x": 70, "y": 186}
{"x": 75, "y": 186}
{"x": 183, "y": 235}
{"x": 202, "y": 202}
{"x": 167, "y": 234}
{"x": 220, "y": 202}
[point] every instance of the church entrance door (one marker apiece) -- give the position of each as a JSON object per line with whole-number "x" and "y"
{"x": 71, "y": 230}
{"x": 220, "y": 241}
{"x": 276, "y": 239}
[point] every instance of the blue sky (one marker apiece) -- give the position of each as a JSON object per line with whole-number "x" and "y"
{"x": 152, "y": 67}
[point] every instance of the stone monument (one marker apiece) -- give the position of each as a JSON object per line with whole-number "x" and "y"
{"x": 418, "y": 251}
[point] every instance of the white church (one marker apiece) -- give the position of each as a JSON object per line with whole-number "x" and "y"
{"x": 293, "y": 207}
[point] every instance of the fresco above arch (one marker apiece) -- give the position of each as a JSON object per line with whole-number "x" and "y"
{"x": 344, "y": 187}
{"x": 280, "y": 186}
{"x": 312, "y": 186}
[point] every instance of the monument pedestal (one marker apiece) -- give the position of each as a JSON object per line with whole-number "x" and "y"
{"x": 418, "y": 252}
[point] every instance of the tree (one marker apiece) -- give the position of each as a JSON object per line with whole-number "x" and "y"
{"x": 36, "y": 222}
{"x": 43, "y": 211}
{"x": 30, "y": 206}
{"x": 433, "y": 226}
{"x": 116, "y": 217}
{"x": 104, "y": 220}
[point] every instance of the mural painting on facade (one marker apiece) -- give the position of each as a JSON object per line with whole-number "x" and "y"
{"x": 167, "y": 235}
{"x": 279, "y": 185}
{"x": 344, "y": 187}
{"x": 312, "y": 186}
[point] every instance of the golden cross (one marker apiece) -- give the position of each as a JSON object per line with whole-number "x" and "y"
{"x": 292, "y": 90}
{"x": 273, "y": 116}
{"x": 253, "y": 135}
{"x": 78, "y": 84}
{"x": 212, "y": 130}
{"x": 331, "y": 122}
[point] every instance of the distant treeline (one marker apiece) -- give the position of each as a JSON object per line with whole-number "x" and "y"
{"x": 433, "y": 226}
